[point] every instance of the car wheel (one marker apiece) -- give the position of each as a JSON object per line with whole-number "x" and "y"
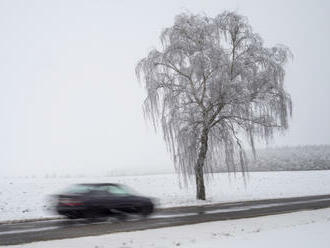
{"x": 147, "y": 210}
{"x": 73, "y": 215}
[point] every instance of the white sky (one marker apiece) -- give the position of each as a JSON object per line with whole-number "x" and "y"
{"x": 69, "y": 98}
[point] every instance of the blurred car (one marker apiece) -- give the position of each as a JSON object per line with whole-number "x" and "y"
{"x": 101, "y": 200}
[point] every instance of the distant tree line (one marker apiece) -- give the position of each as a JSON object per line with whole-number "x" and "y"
{"x": 311, "y": 157}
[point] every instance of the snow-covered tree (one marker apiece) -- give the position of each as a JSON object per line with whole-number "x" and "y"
{"x": 212, "y": 85}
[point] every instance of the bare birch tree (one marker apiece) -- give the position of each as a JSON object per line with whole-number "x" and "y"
{"x": 211, "y": 86}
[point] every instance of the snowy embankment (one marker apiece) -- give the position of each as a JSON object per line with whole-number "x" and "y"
{"x": 28, "y": 198}
{"x": 302, "y": 229}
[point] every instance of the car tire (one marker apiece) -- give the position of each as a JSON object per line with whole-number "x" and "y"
{"x": 147, "y": 210}
{"x": 73, "y": 215}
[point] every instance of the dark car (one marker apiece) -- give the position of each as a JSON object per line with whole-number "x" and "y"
{"x": 101, "y": 200}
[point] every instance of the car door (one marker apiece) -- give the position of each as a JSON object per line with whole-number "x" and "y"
{"x": 118, "y": 199}
{"x": 97, "y": 198}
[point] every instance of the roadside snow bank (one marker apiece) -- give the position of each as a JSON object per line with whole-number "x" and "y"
{"x": 29, "y": 198}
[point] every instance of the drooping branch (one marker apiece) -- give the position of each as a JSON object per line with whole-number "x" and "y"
{"x": 214, "y": 77}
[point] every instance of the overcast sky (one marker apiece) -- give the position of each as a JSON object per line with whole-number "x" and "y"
{"x": 69, "y": 98}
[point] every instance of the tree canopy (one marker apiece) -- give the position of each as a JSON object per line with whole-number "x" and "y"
{"x": 211, "y": 86}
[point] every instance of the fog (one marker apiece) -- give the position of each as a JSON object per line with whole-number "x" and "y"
{"x": 70, "y": 102}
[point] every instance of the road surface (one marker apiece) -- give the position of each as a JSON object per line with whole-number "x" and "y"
{"x": 19, "y": 233}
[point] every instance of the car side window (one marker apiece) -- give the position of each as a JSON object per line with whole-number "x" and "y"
{"x": 79, "y": 189}
{"x": 116, "y": 190}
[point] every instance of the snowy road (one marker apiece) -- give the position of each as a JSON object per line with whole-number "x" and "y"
{"x": 59, "y": 229}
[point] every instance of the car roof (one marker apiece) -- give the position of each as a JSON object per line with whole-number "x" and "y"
{"x": 99, "y": 184}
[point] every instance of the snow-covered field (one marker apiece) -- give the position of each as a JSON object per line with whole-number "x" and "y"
{"x": 22, "y": 198}
{"x": 302, "y": 229}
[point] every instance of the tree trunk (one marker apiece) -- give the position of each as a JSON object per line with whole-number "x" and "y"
{"x": 199, "y": 173}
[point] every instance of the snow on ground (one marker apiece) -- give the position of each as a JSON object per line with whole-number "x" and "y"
{"x": 301, "y": 229}
{"x": 25, "y": 198}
